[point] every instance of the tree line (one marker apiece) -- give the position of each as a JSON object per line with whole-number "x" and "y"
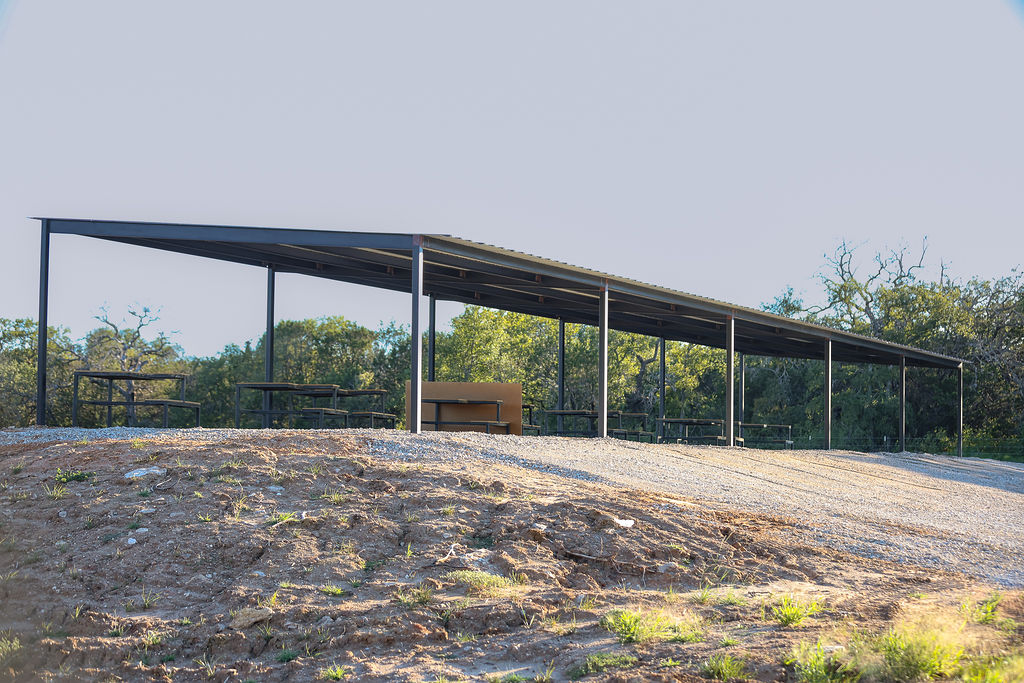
{"x": 979, "y": 320}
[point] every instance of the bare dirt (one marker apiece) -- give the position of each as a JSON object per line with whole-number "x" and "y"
{"x": 296, "y": 556}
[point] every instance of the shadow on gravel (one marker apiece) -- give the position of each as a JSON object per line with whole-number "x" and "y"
{"x": 996, "y": 474}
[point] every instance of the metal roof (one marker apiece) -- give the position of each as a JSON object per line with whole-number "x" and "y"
{"x": 470, "y": 272}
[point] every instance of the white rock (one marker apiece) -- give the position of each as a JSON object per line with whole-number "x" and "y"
{"x": 132, "y": 541}
{"x": 62, "y": 514}
{"x": 141, "y": 530}
{"x": 624, "y": 523}
{"x": 278, "y": 490}
{"x": 145, "y": 472}
{"x": 147, "y": 511}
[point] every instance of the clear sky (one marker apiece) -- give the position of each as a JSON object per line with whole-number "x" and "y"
{"x": 720, "y": 148}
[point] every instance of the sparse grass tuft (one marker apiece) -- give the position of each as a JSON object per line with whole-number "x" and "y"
{"x": 811, "y": 664}
{"x": 9, "y": 647}
{"x": 911, "y": 655}
{"x": 332, "y": 590}
{"x": 637, "y": 627}
{"x": 148, "y": 599}
{"x": 333, "y": 496}
{"x": 286, "y": 655}
{"x": 334, "y": 672}
{"x": 477, "y": 582}
{"x": 414, "y": 597}
{"x": 57, "y": 492}
{"x": 704, "y": 596}
{"x": 269, "y": 602}
{"x": 723, "y": 668}
{"x": 599, "y": 662}
{"x": 985, "y": 611}
{"x": 791, "y": 611}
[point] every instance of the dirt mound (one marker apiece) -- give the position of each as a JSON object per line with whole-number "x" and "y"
{"x": 291, "y": 557}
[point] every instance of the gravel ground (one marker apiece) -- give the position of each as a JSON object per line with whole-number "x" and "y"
{"x": 960, "y": 514}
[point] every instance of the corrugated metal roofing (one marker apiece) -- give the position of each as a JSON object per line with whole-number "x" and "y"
{"x": 472, "y": 272}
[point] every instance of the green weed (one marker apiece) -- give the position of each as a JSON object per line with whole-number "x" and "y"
{"x": 792, "y": 611}
{"x": 478, "y": 582}
{"x": 66, "y": 476}
{"x": 811, "y": 664}
{"x": 637, "y": 627}
{"x": 723, "y": 668}
{"x": 334, "y": 672}
{"x": 600, "y": 662}
{"x": 911, "y": 655}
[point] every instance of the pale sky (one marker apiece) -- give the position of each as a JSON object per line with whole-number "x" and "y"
{"x": 719, "y": 148}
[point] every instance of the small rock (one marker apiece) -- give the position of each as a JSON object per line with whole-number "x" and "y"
{"x": 209, "y": 576}
{"x": 145, "y": 472}
{"x": 666, "y": 567}
{"x": 62, "y": 514}
{"x": 147, "y": 511}
{"x": 277, "y": 490}
{"x": 258, "y": 573}
{"x": 61, "y": 545}
{"x": 247, "y": 616}
{"x": 326, "y": 621}
{"x": 132, "y": 541}
{"x": 623, "y": 523}
{"x": 141, "y": 530}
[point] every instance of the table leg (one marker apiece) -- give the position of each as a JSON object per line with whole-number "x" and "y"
{"x": 238, "y": 407}
{"x": 110, "y": 397}
{"x": 165, "y": 416}
{"x": 74, "y": 404}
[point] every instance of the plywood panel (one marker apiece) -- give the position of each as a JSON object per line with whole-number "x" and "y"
{"x": 511, "y": 409}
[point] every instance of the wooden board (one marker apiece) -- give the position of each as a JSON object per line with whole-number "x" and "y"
{"x": 511, "y": 409}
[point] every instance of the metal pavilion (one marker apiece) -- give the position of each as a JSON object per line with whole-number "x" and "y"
{"x": 454, "y": 269}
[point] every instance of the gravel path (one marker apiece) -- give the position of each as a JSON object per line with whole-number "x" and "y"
{"x": 930, "y": 510}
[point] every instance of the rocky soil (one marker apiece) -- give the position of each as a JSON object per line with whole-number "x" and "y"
{"x": 272, "y": 556}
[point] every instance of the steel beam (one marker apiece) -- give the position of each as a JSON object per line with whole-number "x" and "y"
{"x": 903, "y": 404}
{"x": 415, "y": 416}
{"x": 661, "y": 387}
{"x": 561, "y": 374}
{"x": 828, "y": 395}
{"x": 730, "y": 381}
{"x": 743, "y": 393}
{"x": 960, "y": 410}
{"x": 41, "y": 339}
{"x": 222, "y": 233}
{"x": 268, "y": 345}
{"x": 431, "y": 338}
{"x": 602, "y": 374}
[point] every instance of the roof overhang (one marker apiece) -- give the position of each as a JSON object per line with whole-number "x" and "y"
{"x": 473, "y": 273}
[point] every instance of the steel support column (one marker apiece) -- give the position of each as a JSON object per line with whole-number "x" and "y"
{"x": 602, "y": 326}
{"x": 561, "y": 374}
{"x": 743, "y": 394}
{"x": 268, "y": 346}
{"x": 41, "y": 340}
{"x": 661, "y": 387}
{"x": 431, "y": 338}
{"x": 960, "y": 409}
{"x": 416, "y": 369}
{"x": 903, "y": 403}
{"x": 828, "y": 395}
{"x": 730, "y": 381}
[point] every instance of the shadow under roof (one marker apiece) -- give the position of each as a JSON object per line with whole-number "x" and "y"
{"x": 473, "y": 273}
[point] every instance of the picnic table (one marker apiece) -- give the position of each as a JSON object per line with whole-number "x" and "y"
{"x": 683, "y": 425}
{"x": 130, "y": 403}
{"x": 319, "y": 414}
{"x": 488, "y": 425}
{"x": 592, "y": 416}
